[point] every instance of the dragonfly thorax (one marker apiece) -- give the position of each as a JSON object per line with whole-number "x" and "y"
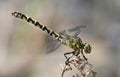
{"x": 74, "y": 43}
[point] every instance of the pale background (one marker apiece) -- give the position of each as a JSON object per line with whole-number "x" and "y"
{"x": 22, "y": 52}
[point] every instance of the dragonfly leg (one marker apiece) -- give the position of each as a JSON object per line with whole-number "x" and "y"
{"x": 65, "y": 54}
{"x": 68, "y": 58}
{"x": 75, "y": 53}
{"x": 83, "y": 55}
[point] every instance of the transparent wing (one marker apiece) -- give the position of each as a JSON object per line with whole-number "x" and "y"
{"x": 52, "y": 45}
{"x": 75, "y": 31}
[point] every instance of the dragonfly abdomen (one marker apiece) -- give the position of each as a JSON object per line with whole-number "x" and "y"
{"x": 36, "y": 23}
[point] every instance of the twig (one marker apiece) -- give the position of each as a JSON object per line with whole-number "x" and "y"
{"x": 83, "y": 66}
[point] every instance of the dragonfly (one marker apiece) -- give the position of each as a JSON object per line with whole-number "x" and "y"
{"x": 72, "y": 41}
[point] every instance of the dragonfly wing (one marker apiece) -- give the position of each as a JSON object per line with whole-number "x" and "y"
{"x": 54, "y": 48}
{"x": 74, "y": 31}
{"x": 76, "y": 28}
{"x": 52, "y": 45}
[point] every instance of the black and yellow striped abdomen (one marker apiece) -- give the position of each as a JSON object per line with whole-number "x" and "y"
{"x": 36, "y": 23}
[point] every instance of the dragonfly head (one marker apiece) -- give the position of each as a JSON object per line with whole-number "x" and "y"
{"x": 87, "y": 48}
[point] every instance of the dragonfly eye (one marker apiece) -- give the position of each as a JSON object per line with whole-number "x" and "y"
{"x": 87, "y": 48}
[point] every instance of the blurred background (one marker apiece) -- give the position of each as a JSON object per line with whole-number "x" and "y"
{"x": 22, "y": 52}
